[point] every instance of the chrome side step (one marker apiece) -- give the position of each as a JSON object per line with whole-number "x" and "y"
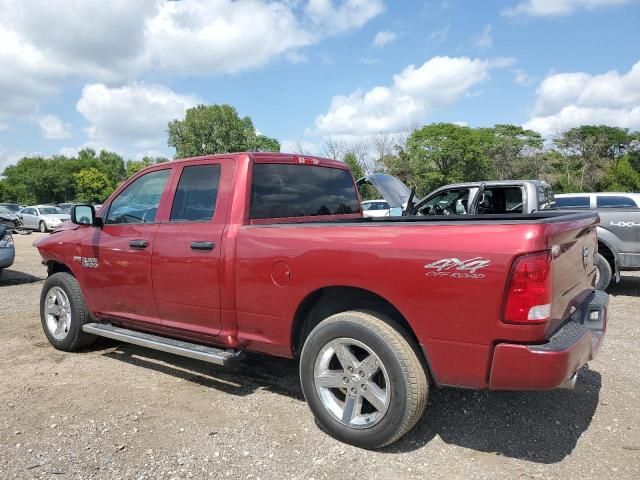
{"x": 164, "y": 344}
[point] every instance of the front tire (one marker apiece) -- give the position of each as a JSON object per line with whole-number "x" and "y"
{"x": 63, "y": 312}
{"x": 42, "y": 227}
{"x": 362, "y": 379}
{"x": 604, "y": 273}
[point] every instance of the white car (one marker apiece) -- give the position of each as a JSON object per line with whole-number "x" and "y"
{"x": 598, "y": 200}
{"x": 42, "y": 217}
{"x": 375, "y": 208}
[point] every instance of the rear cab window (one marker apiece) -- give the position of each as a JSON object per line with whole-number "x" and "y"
{"x": 284, "y": 190}
{"x": 500, "y": 200}
{"x": 611, "y": 201}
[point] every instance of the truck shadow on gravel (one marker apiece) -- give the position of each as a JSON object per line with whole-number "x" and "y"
{"x": 541, "y": 427}
{"x": 10, "y": 277}
{"x": 629, "y": 286}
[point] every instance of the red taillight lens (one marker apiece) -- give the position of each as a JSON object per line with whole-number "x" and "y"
{"x": 528, "y": 294}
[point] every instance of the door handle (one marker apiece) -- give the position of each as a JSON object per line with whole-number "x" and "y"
{"x": 138, "y": 243}
{"x": 202, "y": 245}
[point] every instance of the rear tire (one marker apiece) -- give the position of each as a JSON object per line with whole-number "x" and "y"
{"x": 63, "y": 312}
{"x": 604, "y": 274}
{"x": 362, "y": 379}
{"x": 42, "y": 227}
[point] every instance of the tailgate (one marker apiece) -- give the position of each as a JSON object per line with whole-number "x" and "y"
{"x": 573, "y": 245}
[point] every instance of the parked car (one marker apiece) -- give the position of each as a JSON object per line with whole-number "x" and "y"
{"x": 273, "y": 255}
{"x": 42, "y": 217}
{"x": 598, "y": 200}
{"x": 7, "y": 249}
{"x": 8, "y": 218}
{"x": 375, "y": 208}
{"x": 618, "y": 232}
{"x": 12, "y": 207}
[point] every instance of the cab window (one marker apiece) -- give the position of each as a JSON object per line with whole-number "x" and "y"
{"x": 610, "y": 201}
{"x": 195, "y": 199}
{"x": 498, "y": 200}
{"x": 448, "y": 202}
{"x": 139, "y": 201}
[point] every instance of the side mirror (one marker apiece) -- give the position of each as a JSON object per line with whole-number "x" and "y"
{"x": 84, "y": 215}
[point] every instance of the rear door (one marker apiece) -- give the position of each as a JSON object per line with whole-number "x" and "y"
{"x": 187, "y": 249}
{"x": 28, "y": 217}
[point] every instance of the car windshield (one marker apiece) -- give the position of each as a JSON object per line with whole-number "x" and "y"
{"x": 49, "y": 210}
{"x": 10, "y": 208}
{"x": 5, "y": 210}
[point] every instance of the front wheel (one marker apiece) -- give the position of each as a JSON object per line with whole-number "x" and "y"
{"x": 43, "y": 227}
{"x": 63, "y": 312}
{"x": 362, "y": 379}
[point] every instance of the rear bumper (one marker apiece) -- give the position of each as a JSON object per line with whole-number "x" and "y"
{"x": 7, "y": 256}
{"x": 549, "y": 365}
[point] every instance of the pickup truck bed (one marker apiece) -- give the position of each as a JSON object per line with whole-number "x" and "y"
{"x": 284, "y": 264}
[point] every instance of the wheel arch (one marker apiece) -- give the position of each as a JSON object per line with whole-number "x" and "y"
{"x": 609, "y": 252}
{"x": 324, "y": 302}
{"x": 55, "y": 267}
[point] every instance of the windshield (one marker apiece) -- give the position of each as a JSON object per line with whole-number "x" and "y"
{"x": 49, "y": 211}
{"x": 10, "y": 208}
{"x": 5, "y": 210}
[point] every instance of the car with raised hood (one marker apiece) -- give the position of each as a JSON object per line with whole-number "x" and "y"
{"x": 43, "y": 218}
{"x": 215, "y": 256}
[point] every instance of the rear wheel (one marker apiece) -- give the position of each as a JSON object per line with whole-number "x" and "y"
{"x": 603, "y": 272}
{"x": 63, "y": 312}
{"x": 43, "y": 227}
{"x": 362, "y": 379}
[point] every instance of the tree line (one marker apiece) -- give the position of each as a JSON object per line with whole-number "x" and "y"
{"x": 582, "y": 159}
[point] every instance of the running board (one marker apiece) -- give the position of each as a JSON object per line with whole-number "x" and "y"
{"x": 164, "y": 344}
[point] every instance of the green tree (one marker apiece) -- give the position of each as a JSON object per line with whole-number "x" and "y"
{"x": 210, "y": 129}
{"x": 367, "y": 192}
{"x": 443, "y": 153}
{"x": 92, "y": 185}
{"x": 509, "y": 148}
{"x": 134, "y": 166}
{"x": 262, "y": 143}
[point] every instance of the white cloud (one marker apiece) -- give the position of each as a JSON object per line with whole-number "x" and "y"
{"x": 137, "y": 112}
{"x": 119, "y": 41}
{"x": 384, "y": 38}
{"x": 566, "y": 100}
{"x": 484, "y": 39}
{"x": 413, "y": 95}
{"x": 522, "y": 78}
{"x": 556, "y": 8}
{"x": 439, "y": 36}
{"x": 53, "y": 128}
{"x": 338, "y": 16}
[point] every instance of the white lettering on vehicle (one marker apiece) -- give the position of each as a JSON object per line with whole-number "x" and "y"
{"x": 624, "y": 224}
{"x": 456, "y": 268}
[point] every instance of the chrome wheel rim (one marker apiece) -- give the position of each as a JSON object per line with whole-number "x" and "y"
{"x": 352, "y": 383}
{"x": 57, "y": 309}
{"x": 597, "y": 274}
{"x": 43, "y": 227}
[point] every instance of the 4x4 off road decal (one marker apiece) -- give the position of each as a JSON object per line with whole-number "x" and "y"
{"x": 456, "y": 268}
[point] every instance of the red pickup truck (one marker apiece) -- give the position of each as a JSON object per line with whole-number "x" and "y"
{"x": 252, "y": 252}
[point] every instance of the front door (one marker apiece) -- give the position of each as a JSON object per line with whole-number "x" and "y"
{"x": 187, "y": 249}
{"x": 116, "y": 259}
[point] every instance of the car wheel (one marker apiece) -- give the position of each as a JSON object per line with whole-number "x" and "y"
{"x": 63, "y": 312}
{"x": 603, "y": 272}
{"x": 362, "y": 379}
{"x": 43, "y": 227}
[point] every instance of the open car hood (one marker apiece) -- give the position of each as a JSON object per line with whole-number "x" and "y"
{"x": 393, "y": 190}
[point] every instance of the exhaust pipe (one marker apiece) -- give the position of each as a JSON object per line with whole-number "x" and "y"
{"x": 569, "y": 383}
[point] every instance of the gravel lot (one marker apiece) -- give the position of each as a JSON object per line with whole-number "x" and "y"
{"x": 119, "y": 411}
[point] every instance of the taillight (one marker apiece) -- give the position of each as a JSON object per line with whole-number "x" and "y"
{"x": 528, "y": 295}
